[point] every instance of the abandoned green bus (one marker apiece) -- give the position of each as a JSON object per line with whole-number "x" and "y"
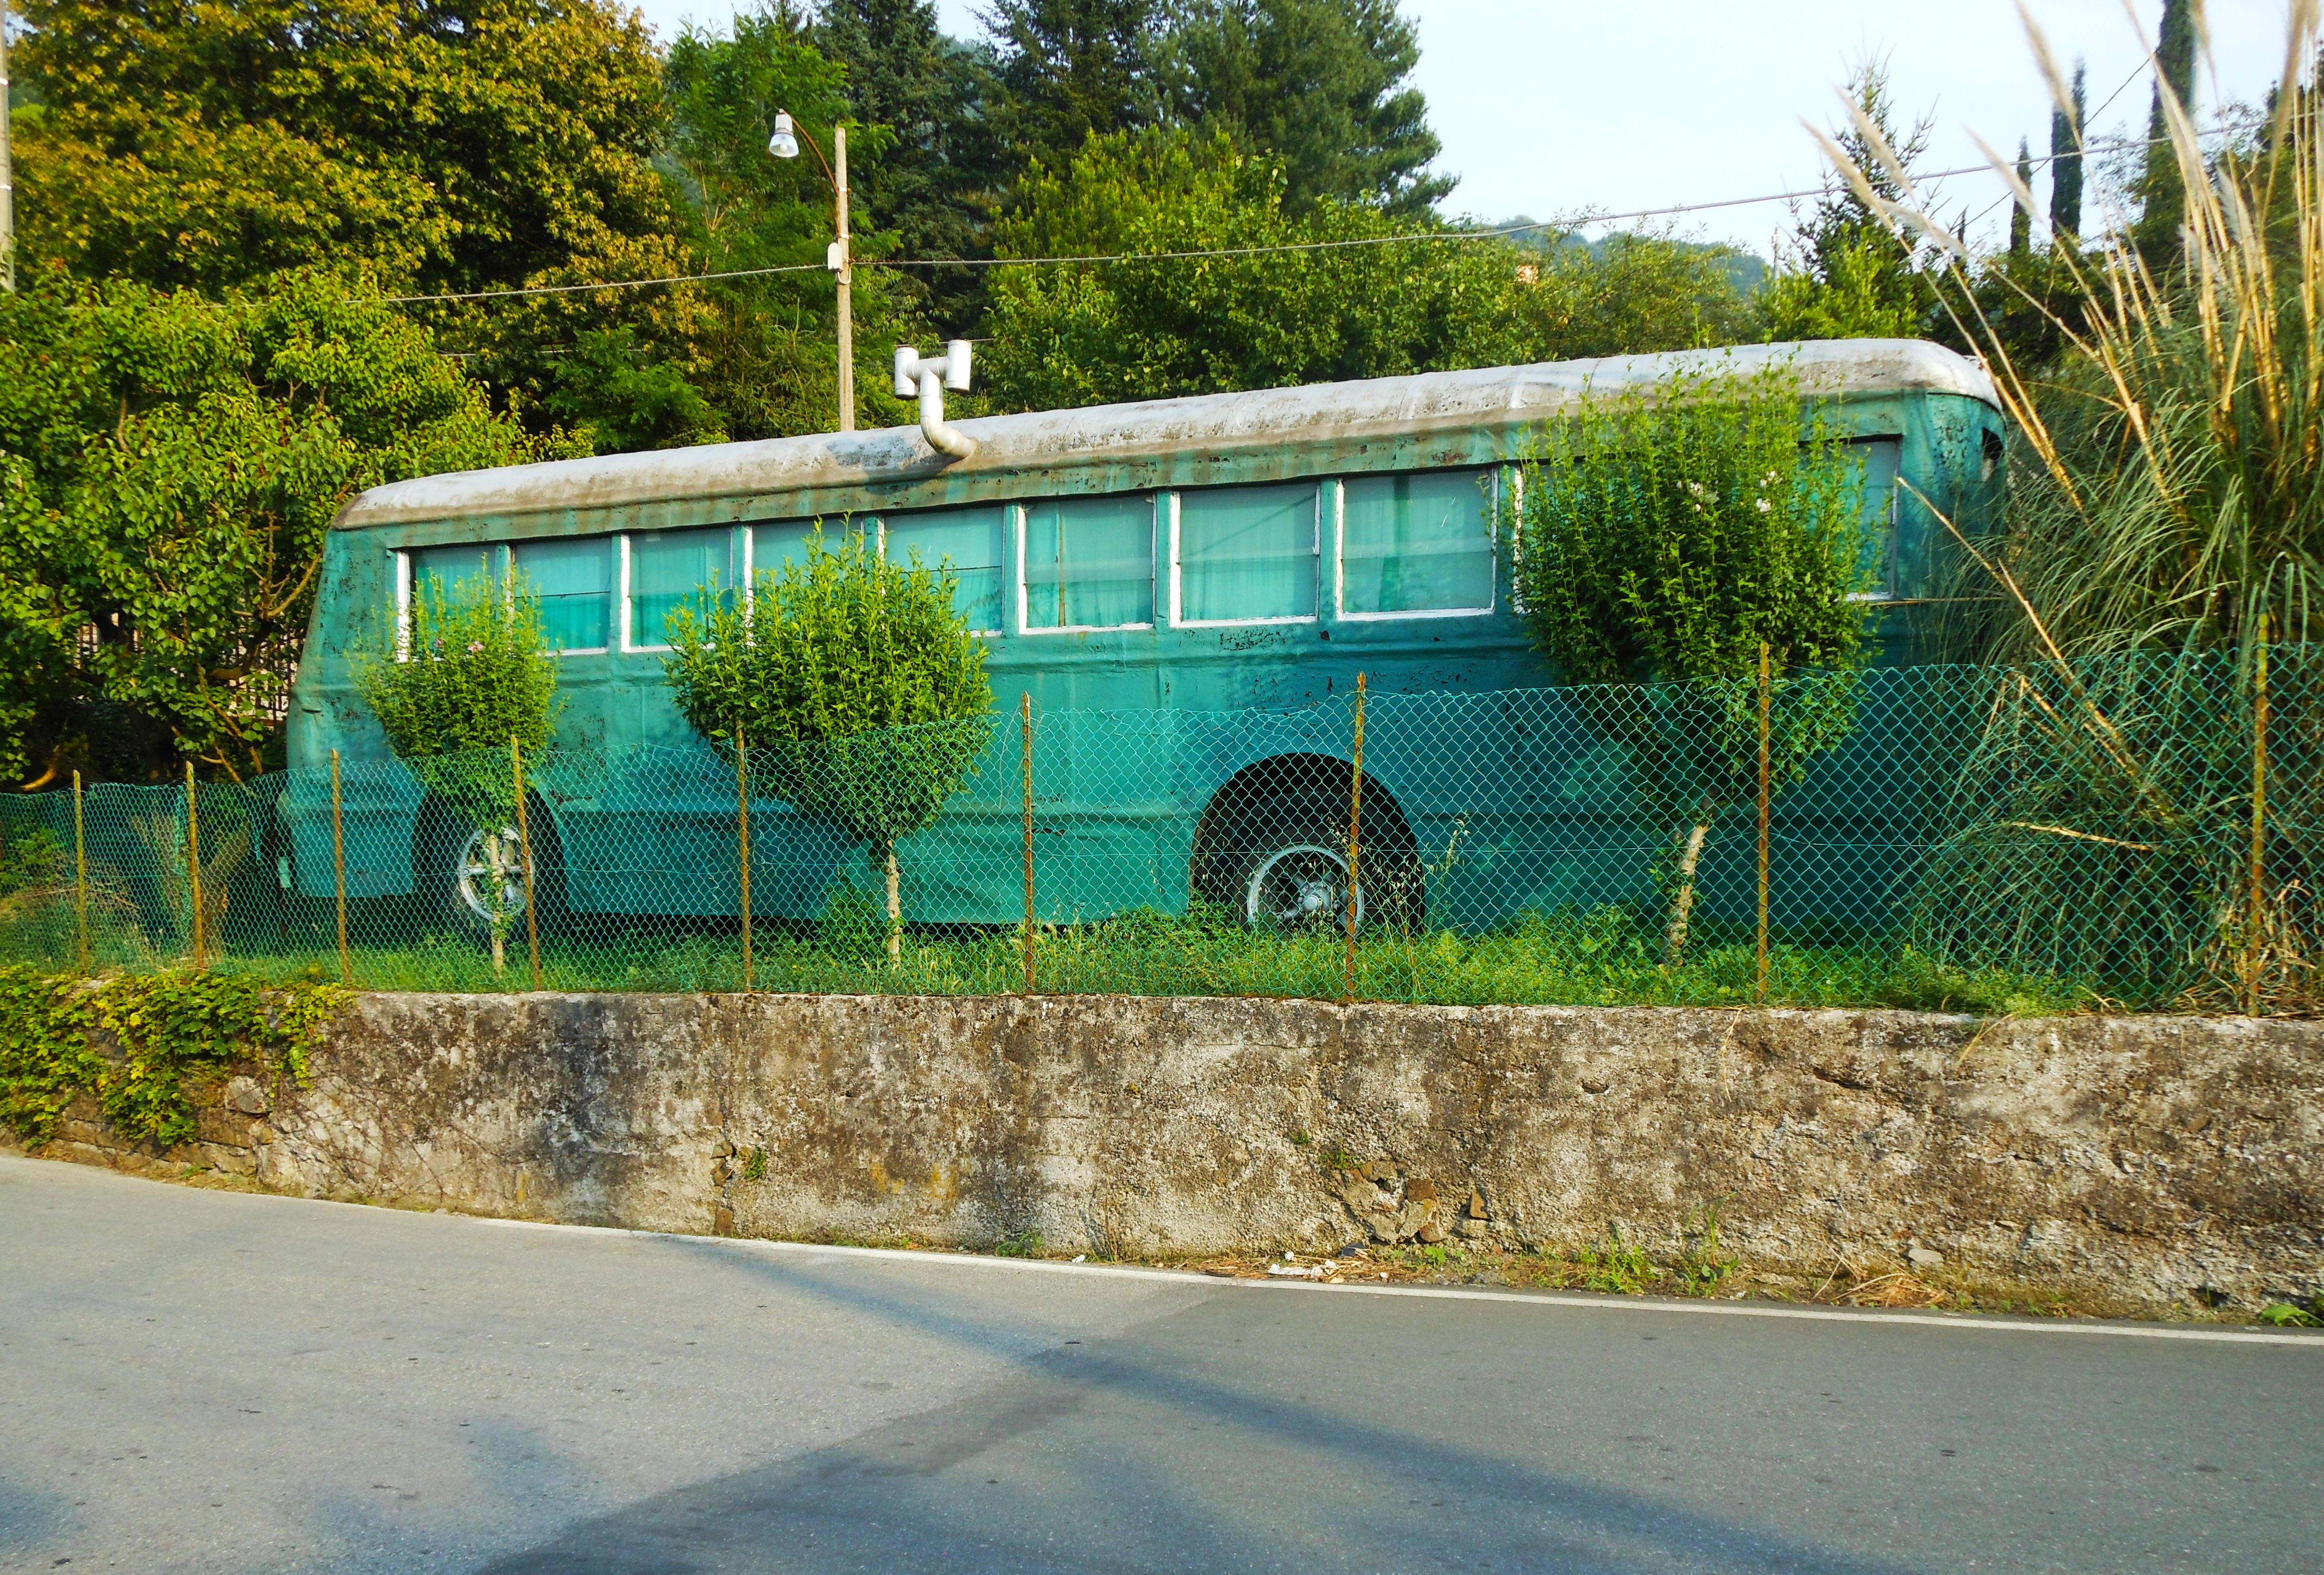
{"x": 1143, "y": 572}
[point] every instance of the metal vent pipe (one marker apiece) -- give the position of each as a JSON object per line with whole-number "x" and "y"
{"x": 929, "y": 377}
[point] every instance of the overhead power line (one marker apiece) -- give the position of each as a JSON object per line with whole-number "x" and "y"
{"x": 1420, "y": 239}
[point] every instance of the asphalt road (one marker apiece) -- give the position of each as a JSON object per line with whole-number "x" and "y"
{"x": 204, "y": 1381}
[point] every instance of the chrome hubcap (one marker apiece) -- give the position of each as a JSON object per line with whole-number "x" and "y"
{"x": 487, "y": 860}
{"x": 1303, "y": 887}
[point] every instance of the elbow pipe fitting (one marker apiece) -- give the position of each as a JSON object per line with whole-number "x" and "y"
{"x": 929, "y": 377}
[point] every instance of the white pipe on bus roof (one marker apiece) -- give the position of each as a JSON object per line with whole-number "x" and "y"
{"x": 931, "y": 378}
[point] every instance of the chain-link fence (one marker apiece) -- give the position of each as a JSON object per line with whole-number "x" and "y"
{"x": 2137, "y": 830}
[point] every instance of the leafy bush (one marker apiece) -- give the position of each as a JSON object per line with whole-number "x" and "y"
{"x": 474, "y": 676}
{"x": 1666, "y": 535}
{"x": 855, "y": 684}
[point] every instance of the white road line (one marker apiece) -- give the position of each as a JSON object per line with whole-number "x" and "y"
{"x": 1971, "y": 1321}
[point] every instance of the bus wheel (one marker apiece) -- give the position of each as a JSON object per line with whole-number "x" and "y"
{"x": 1300, "y": 886}
{"x": 474, "y": 876}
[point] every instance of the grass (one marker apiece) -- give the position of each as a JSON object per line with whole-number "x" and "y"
{"x": 1608, "y": 958}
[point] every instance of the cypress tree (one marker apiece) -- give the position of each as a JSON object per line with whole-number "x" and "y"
{"x": 2066, "y": 132}
{"x": 2162, "y": 189}
{"x": 2021, "y": 222}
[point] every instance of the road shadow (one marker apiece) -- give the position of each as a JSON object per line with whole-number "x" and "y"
{"x": 1126, "y": 1454}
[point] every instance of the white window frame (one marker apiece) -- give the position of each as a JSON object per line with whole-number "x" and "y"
{"x": 508, "y": 578}
{"x": 403, "y": 605}
{"x": 1492, "y": 542}
{"x": 501, "y": 557}
{"x": 1177, "y": 621}
{"x": 741, "y": 554}
{"x": 1153, "y": 540}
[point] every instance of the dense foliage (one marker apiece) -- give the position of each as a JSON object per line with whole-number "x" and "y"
{"x": 170, "y": 1026}
{"x": 169, "y": 464}
{"x": 1674, "y": 535}
{"x": 854, "y": 683}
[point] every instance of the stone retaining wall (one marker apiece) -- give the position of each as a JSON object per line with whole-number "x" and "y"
{"x": 2164, "y": 1161}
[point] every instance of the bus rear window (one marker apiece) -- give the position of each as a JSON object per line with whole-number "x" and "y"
{"x": 1247, "y": 554}
{"x": 1089, "y": 563}
{"x": 573, "y": 580}
{"x": 968, "y": 541}
{"x": 1417, "y": 543}
{"x": 669, "y": 569}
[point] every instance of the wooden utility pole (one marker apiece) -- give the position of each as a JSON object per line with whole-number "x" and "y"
{"x": 844, "y": 263}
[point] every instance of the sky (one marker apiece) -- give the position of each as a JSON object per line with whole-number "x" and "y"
{"x": 1551, "y": 108}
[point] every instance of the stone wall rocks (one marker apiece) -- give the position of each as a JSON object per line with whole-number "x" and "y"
{"x": 2164, "y": 1160}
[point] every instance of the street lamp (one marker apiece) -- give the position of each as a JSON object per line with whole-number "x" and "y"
{"x": 785, "y": 144}
{"x": 7, "y": 188}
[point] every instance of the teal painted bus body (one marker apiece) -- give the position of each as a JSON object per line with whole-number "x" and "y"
{"x": 1134, "y": 746}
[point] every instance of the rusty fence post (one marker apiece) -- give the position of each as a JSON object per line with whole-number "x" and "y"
{"x": 2256, "y": 960}
{"x": 194, "y": 865}
{"x": 1765, "y": 680}
{"x": 80, "y": 877}
{"x": 524, "y": 855}
{"x": 1355, "y": 838}
{"x": 339, "y": 872}
{"x": 742, "y": 823}
{"x": 1025, "y": 717}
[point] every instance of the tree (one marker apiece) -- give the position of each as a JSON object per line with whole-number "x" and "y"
{"x": 2066, "y": 165}
{"x": 2162, "y": 186}
{"x": 1408, "y": 297}
{"x": 935, "y": 185}
{"x": 2021, "y": 222}
{"x": 168, "y": 466}
{"x": 1320, "y": 85}
{"x": 448, "y": 145}
{"x": 764, "y": 358}
{"x": 1074, "y": 69}
{"x": 1846, "y": 274}
{"x": 857, "y": 683}
{"x": 465, "y": 696}
{"x": 1667, "y": 536}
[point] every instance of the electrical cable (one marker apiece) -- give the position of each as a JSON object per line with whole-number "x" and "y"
{"x": 1431, "y": 237}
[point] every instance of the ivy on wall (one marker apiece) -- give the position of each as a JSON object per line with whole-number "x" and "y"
{"x": 170, "y": 1026}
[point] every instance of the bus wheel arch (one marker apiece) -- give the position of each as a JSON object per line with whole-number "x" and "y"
{"x": 1272, "y": 845}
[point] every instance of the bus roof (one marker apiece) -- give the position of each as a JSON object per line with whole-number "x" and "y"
{"x": 1333, "y": 415}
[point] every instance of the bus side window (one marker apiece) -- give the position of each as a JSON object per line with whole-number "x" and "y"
{"x": 1247, "y": 554}
{"x": 440, "y": 571}
{"x": 573, "y": 580}
{"x": 669, "y": 569}
{"x": 1414, "y": 543}
{"x": 967, "y": 539}
{"x": 1089, "y": 563}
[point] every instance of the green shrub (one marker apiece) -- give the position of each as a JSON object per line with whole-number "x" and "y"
{"x": 1666, "y": 535}
{"x": 473, "y": 676}
{"x": 853, "y": 684}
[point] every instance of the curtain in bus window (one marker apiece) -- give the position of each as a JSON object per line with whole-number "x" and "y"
{"x": 573, "y": 580}
{"x": 969, "y": 541}
{"x": 1417, "y": 543}
{"x": 1880, "y": 460}
{"x": 1246, "y": 553}
{"x": 447, "y": 569}
{"x": 783, "y": 542}
{"x": 671, "y": 568}
{"x": 1089, "y": 563}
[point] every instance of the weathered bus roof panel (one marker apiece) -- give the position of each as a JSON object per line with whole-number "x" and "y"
{"x": 1438, "y": 417}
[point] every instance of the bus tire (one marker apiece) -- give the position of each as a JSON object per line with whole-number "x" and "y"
{"x": 1280, "y": 862}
